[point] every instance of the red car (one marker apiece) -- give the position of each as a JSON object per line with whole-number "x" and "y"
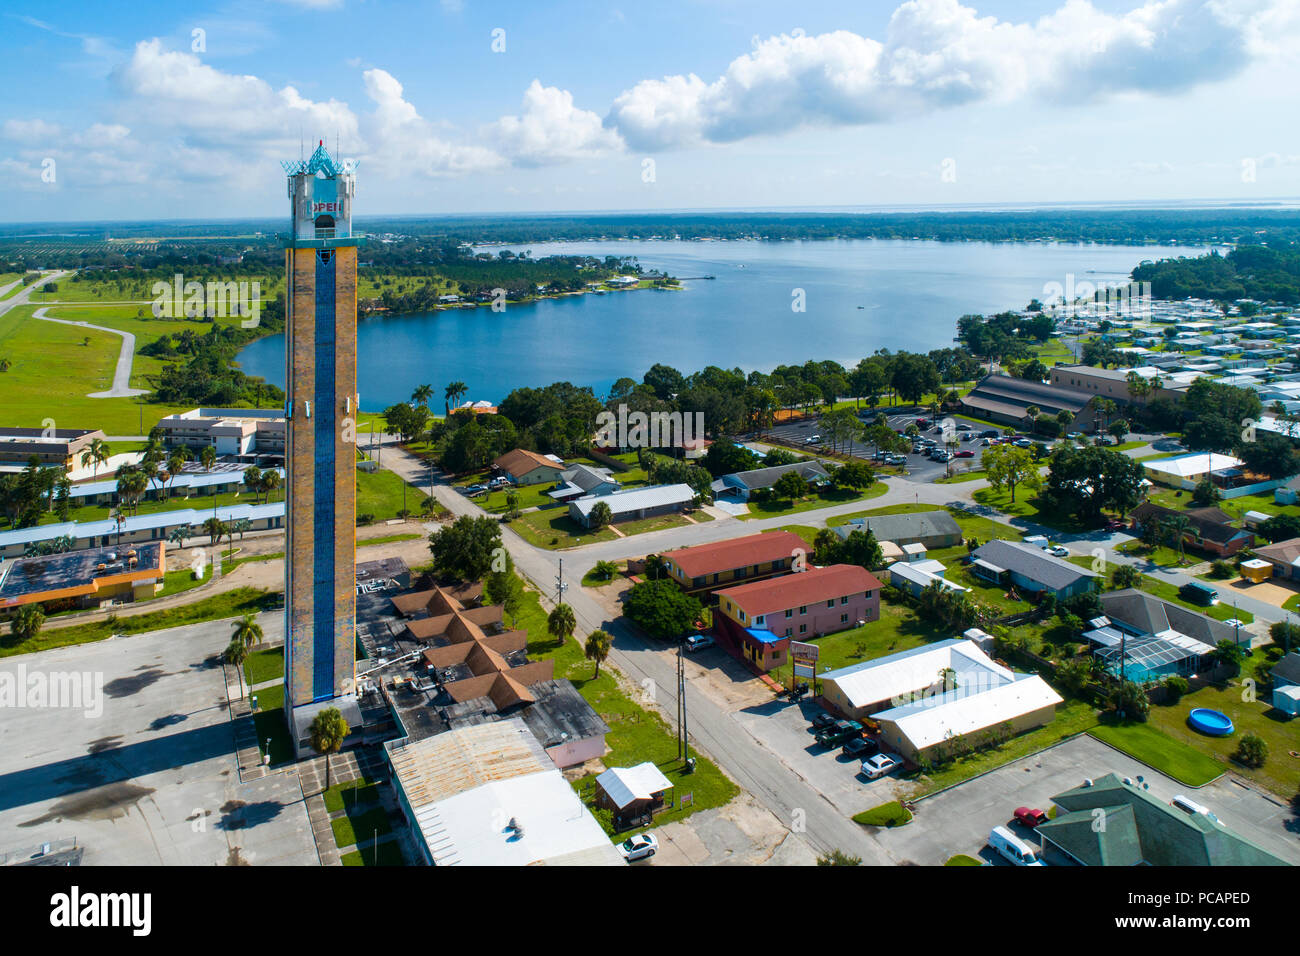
{"x": 965, "y": 454}
{"x": 1030, "y": 818}
{"x": 1114, "y": 524}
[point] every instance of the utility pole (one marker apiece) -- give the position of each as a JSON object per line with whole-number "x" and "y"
{"x": 560, "y": 586}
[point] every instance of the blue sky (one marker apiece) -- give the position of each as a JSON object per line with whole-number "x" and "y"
{"x": 119, "y": 112}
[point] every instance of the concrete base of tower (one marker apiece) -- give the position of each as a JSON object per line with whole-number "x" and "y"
{"x": 301, "y": 717}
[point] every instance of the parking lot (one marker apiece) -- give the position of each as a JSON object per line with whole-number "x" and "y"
{"x": 919, "y": 466}
{"x": 958, "y": 820}
{"x": 785, "y": 729}
{"x": 143, "y": 771}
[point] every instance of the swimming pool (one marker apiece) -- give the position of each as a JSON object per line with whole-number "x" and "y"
{"x": 1212, "y": 722}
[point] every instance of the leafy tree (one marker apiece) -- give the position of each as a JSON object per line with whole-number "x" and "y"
{"x": 1285, "y": 634}
{"x": 1228, "y": 653}
{"x": 1270, "y": 455}
{"x": 725, "y": 457}
{"x": 328, "y": 731}
{"x": 504, "y": 588}
{"x": 1280, "y": 528}
{"x": 1008, "y": 467}
{"x": 838, "y": 858}
{"x": 1118, "y": 429}
{"x": 1176, "y": 686}
{"x": 661, "y": 609}
{"x": 560, "y": 623}
{"x": 1125, "y": 576}
{"x": 1072, "y": 676}
{"x": 791, "y": 486}
{"x": 597, "y": 648}
{"x": 1086, "y": 480}
{"x": 1206, "y": 493}
{"x": 606, "y": 569}
{"x": 465, "y": 549}
{"x": 601, "y": 515}
{"x": 855, "y": 475}
{"x": 1129, "y": 701}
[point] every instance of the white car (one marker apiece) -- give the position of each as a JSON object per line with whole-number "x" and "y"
{"x": 1057, "y": 551}
{"x": 880, "y": 764}
{"x": 640, "y": 847}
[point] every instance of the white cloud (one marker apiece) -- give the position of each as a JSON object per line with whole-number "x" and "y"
{"x": 31, "y": 131}
{"x": 550, "y": 129}
{"x": 938, "y": 54}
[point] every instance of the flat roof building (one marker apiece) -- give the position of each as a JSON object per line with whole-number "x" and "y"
{"x": 87, "y": 578}
{"x": 52, "y": 447}
{"x": 236, "y": 432}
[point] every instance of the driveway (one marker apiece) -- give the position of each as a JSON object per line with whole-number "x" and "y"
{"x": 958, "y": 820}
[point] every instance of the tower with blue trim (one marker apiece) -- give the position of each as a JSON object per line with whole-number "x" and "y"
{"x": 320, "y": 409}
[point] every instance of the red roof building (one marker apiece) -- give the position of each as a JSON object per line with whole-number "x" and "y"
{"x": 706, "y": 567}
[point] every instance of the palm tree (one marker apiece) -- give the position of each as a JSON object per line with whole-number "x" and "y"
{"x": 176, "y": 462}
{"x": 560, "y": 623}
{"x": 1138, "y": 387}
{"x": 1031, "y": 416}
{"x": 1176, "y": 527}
{"x": 247, "y": 631}
{"x": 235, "y": 654}
{"x": 269, "y": 481}
{"x": 606, "y": 569}
{"x": 96, "y": 454}
{"x": 328, "y": 731}
{"x": 420, "y": 397}
{"x": 597, "y": 648}
{"x": 208, "y": 457}
{"x": 453, "y": 393}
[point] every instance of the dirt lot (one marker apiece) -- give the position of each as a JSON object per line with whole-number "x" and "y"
{"x": 740, "y": 834}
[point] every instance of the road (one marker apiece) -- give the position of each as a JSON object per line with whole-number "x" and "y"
{"x": 23, "y": 298}
{"x": 121, "y": 387}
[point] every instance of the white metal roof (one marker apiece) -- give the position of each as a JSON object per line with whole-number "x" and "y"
{"x": 625, "y": 785}
{"x": 1197, "y": 463}
{"x": 634, "y": 499}
{"x": 907, "y": 672}
{"x": 934, "y": 720}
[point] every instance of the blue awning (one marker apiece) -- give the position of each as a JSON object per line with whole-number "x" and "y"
{"x": 763, "y": 635}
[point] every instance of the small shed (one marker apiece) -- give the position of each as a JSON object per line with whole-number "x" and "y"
{"x": 632, "y": 791}
{"x": 914, "y": 552}
{"x": 1287, "y": 699}
{"x": 1257, "y": 570}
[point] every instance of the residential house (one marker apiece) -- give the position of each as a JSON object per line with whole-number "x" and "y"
{"x": 1031, "y": 569}
{"x": 934, "y": 529}
{"x": 740, "y": 485}
{"x": 1285, "y": 676}
{"x": 634, "y": 504}
{"x": 1284, "y": 556}
{"x": 915, "y": 576}
{"x": 525, "y": 467}
{"x": 1208, "y": 529}
{"x": 762, "y": 617}
{"x": 583, "y": 480}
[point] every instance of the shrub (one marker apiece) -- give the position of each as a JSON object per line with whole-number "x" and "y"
{"x": 1221, "y": 570}
{"x": 365, "y": 518}
{"x": 1206, "y": 494}
{"x": 1176, "y": 687}
{"x": 1252, "y": 750}
{"x": 892, "y": 814}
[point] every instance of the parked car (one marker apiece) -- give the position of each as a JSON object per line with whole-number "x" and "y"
{"x": 640, "y": 847}
{"x": 1030, "y": 818}
{"x": 990, "y": 433}
{"x": 822, "y": 720}
{"x": 1023, "y": 443}
{"x": 1013, "y": 849}
{"x": 964, "y": 428}
{"x": 860, "y": 747}
{"x": 839, "y": 732}
{"x": 1057, "y": 551}
{"x": 698, "y": 642}
{"x": 965, "y": 453}
{"x": 476, "y": 490}
{"x": 812, "y": 439}
{"x": 923, "y": 423}
{"x": 1114, "y": 524}
{"x": 880, "y": 764}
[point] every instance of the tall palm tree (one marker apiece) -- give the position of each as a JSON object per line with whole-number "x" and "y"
{"x": 421, "y": 395}
{"x": 176, "y": 462}
{"x": 328, "y": 731}
{"x": 96, "y": 453}
{"x": 235, "y": 654}
{"x": 208, "y": 457}
{"x": 247, "y": 631}
{"x": 454, "y": 393}
{"x": 269, "y": 481}
{"x": 560, "y": 623}
{"x": 1031, "y": 415}
{"x": 597, "y": 648}
{"x": 1176, "y": 527}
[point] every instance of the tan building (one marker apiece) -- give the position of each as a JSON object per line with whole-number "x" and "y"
{"x": 1112, "y": 383}
{"x": 525, "y": 467}
{"x": 54, "y": 447}
{"x": 237, "y": 432}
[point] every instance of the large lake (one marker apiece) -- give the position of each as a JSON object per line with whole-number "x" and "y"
{"x": 859, "y": 296}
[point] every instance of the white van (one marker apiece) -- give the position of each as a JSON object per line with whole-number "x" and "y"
{"x": 1191, "y": 806}
{"x": 1014, "y": 849}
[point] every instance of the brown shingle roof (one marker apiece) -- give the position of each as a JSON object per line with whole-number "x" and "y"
{"x": 806, "y": 587}
{"x": 736, "y": 553}
{"x": 521, "y": 461}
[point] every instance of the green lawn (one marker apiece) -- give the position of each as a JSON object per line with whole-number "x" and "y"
{"x": 1281, "y": 773}
{"x": 388, "y": 853}
{"x": 227, "y": 604}
{"x": 264, "y": 665}
{"x": 892, "y": 814}
{"x": 637, "y": 733}
{"x": 1026, "y": 506}
{"x": 961, "y": 859}
{"x": 365, "y": 825}
{"x": 381, "y": 494}
{"x": 1222, "y": 611}
{"x": 199, "y": 503}
{"x": 553, "y": 529}
{"x": 822, "y": 499}
{"x": 1158, "y": 751}
{"x": 269, "y": 722}
{"x": 355, "y": 793}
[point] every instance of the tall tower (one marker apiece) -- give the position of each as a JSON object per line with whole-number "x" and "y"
{"x": 320, "y": 408}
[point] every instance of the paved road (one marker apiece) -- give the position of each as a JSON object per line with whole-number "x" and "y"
{"x": 121, "y": 387}
{"x": 22, "y": 297}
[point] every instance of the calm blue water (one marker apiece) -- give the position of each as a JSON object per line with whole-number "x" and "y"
{"x": 911, "y": 293}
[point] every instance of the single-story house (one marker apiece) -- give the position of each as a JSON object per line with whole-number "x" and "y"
{"x": 1187, "y": 471}
{"x": 583, "y": 480}
{"x": 762, "y": 617}
{"x": 1140, "y": 829}
{"x": 633, "y": 504}
{"x": 753, "y": 557}
{"x": 934, "y": 529}
{"x": 1031, "y": 569}
{"x": 632, "y": 791}
{"x": 1286, "y": 684}
{"x": 525, "y": 467}
{"x": 1208, "y": 529}
{"x": 741, "y": 484}
{"x": 915, "y": 576}
{"x": 1151, "y": 639}
{"x": 1284, "y": 556}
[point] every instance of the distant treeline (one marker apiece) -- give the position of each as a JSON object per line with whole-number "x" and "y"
{"x": 1265, "y": 273}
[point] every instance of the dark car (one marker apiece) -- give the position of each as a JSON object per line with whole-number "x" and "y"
{"x": 860, "y": 748}
{"x": 822, "y": 720}
{"x": 838, "y": 732}
{"x": 990, "y": 433}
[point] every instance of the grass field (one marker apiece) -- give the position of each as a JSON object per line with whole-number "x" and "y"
{"x": 822, "y": 499}
{"x": 1158, "y": 751}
